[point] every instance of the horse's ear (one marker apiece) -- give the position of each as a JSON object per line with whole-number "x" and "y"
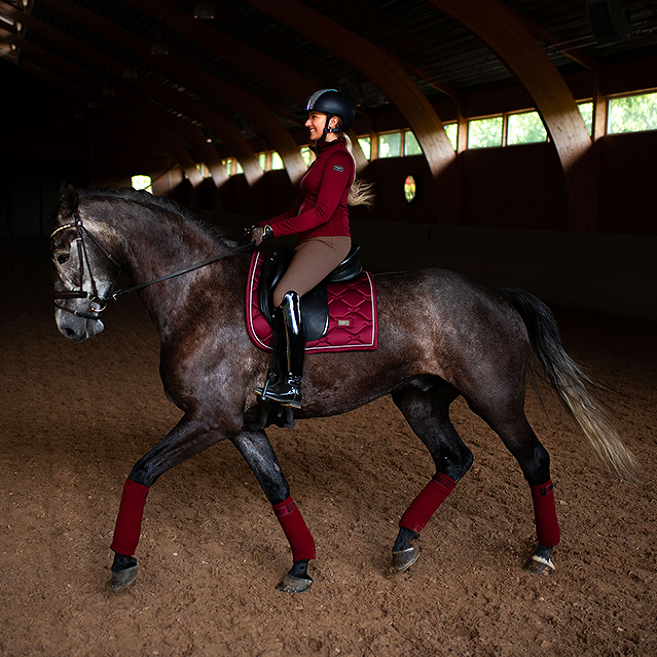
{"x": 69, "y": 197}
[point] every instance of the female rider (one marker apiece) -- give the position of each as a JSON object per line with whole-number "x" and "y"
{"x": 321, "y": 219}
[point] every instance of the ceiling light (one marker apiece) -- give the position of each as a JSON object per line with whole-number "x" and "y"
{"x": 204, "y": 11}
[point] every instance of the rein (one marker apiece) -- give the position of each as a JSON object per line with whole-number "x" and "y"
{"x": 98, "y": 304}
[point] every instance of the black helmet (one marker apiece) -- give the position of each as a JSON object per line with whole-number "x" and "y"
{"x": 332, "y": 103}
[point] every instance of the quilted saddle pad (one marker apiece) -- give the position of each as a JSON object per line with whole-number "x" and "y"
{"x": 353, "y": 320}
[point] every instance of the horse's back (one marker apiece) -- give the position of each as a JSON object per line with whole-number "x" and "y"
{"x": 448, "y": 297}
{"x": 451, "y": 325}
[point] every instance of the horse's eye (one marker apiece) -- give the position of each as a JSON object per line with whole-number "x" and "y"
{"x": 62, "y": 258}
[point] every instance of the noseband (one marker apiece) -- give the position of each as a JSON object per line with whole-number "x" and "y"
{"x": 97, "y": 303}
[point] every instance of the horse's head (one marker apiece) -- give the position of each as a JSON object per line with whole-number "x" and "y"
{"x": 84, "y": 269}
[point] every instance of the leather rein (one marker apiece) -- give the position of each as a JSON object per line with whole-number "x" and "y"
{"x": 97, "y": 303}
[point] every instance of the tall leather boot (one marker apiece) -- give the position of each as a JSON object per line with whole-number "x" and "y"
{"x": 286, "y": 389}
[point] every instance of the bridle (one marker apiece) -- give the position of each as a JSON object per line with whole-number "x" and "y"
{"x": 98, "y": 303}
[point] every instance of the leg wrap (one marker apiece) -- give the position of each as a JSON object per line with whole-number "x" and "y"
{"x": 301, "y": 541}
{"x": 547, "y": 525}
{"x": 427, "y": 502}
{"x": 128, "y": 522}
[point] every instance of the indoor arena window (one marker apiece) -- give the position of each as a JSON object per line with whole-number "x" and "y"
{"x": 452, "y": 131}
{"x": 411, "y": 145}
{"x": 366, "y": 146}
{"x": 632, "y": 113}
{"x": 586, "y": 110}
{"x": 231, "y": 165}
{"x": 142, "y": 182}
{"x": 390, "y": 144}
{"x": 306, "y": 155}
{"x": 525, "y": 128}
{"x": 270, "y": 161}
{"x": 485, "y": 133}
{"x": 276, "y": 162}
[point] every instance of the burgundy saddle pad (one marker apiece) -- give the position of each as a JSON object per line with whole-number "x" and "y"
{"x": 353, "y": 321}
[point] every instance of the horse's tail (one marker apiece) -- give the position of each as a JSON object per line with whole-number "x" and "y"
{"x": 576, "y": 389}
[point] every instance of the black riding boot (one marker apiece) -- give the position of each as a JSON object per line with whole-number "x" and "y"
{"x": 286, "y": 388}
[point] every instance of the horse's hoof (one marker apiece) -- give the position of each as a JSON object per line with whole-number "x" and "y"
{"x": 404, "y": 559}
{"x": 292, "y": 584}
{"x": 539, "y": 566}
{"x": 121, "y": 579}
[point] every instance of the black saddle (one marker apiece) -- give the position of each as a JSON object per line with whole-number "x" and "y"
{"x": 314, "y": 304}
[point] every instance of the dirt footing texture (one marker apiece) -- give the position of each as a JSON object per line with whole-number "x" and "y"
{"x": 75, "y": 417}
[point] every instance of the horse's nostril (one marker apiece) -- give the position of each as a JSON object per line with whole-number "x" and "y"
{"x": 69, "y": 333}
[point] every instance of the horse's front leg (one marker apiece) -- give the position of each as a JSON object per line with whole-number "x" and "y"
{"x": 259, "y": 454}
{"x": 189, "y": 437}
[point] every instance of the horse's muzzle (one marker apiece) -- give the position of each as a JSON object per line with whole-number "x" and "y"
{"x": 77, "y": 328}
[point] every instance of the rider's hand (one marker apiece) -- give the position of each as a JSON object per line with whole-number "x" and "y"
{"x": 261, "y": 233}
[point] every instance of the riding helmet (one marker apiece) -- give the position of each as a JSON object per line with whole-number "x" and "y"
{"x": 332, "y": 103}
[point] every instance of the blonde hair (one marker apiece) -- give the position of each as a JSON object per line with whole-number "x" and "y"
{"x": 361, "y": 191}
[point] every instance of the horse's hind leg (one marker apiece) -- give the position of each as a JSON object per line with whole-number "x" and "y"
{"x": 426, "y": 409}
{"x": 508, "y": 420}
{"x": 258, "y": 453}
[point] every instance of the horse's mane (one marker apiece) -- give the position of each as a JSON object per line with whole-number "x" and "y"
{"x": 156, "y": 202}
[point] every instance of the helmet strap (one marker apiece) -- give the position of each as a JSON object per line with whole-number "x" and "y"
{"x": 326, "y": 127}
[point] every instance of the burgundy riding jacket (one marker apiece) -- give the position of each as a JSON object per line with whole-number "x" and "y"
{"x": 321, "y": 206}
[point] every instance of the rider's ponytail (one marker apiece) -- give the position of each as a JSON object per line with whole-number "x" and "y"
{"x": 362, "y": 191}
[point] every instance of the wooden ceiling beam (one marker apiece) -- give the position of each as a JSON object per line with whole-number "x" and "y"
{"x": 138, "y": 106}
{"x": 255, "y": 110}
{"x": 292, "y": 83}
{"x": 507, "y": 36}
{"x": 156, "y": 90}
{"x": 387, "y": 74}
{"x": 171, "y": 141}
{"x": 572, "y": 53}
{"x": 222, "y": 126}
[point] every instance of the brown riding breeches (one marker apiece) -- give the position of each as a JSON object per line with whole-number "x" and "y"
{"x": 313, "y": 261}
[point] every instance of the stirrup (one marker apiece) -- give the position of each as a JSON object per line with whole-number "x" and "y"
{"x": 287, "y": 391}
{"x": 261, "y": 391}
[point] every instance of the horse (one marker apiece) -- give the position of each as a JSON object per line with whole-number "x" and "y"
{"x": 441, "y": 336}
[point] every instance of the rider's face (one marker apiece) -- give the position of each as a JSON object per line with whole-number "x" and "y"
{"x": 315, "y": 123}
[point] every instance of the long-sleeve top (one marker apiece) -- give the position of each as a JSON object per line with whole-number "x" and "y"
{"x": 321, "y": 205}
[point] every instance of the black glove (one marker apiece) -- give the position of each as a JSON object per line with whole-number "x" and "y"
{"x": 246, "y": 237}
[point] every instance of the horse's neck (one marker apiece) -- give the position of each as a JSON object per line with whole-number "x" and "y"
{"x": 152, "y": 243}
